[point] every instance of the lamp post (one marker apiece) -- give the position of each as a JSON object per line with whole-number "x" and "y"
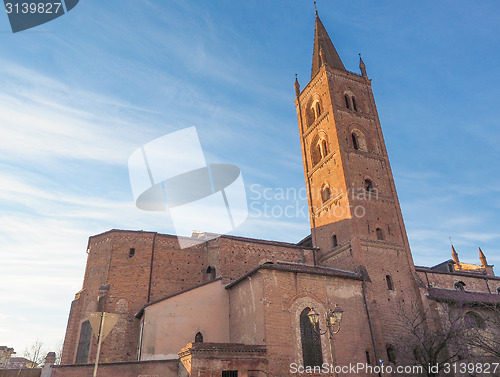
{"x": 333, "y": 319}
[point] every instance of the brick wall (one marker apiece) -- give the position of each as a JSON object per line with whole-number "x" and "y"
{"x": 275, "y": 299}
{"x": 20, "y": 372}
{"x": 126, "y": 281}
{"x": 159, "y": 368}
{"x": 486, "y": 284}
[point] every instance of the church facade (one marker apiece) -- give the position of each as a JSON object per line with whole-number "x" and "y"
{"x": 234, "y": 306}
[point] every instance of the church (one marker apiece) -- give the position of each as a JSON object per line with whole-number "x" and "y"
{"x": 243, "y": 307}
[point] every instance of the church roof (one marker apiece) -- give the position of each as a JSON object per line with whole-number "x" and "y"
{"x": 463, "y": 297}
{"x": 299, "y": 268}
{"x": 324, "y": 52}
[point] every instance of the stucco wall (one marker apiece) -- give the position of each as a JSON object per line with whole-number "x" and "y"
{"x": 172, "y": 323}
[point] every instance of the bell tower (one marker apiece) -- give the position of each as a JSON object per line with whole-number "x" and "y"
{"x": 355, "y": 216}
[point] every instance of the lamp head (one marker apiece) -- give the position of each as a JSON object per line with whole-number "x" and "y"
{"x": 337, "y": 314}
{"x": 313, "y": 316}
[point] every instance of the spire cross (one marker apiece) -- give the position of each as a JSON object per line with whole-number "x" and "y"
{"x": 315, "y": 9}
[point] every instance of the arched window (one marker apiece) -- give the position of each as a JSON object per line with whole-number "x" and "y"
{"x": 212, "y": 272}
{"x": 335, "y": 241}
{"x": 459, "y": 286}
{"x": 347, "y": 104}
{"x": 355, "y": 143}
{"x": 324, "y": 148}
{"x": 311, "y": 342}
{"x": 473, "y": 320}
{"x": 391, "y": 355}
{"x": 368, "y": 185}
{"x": 390, "y": 285}
{"x": 131, "y": 252}
{"x": 318, "y": 110}
{"x": 325, "y": 193}
{"x": 82, "y": 352}
{"x": 354, "y": 106}
{"x": 498, "y": 290}
{"x": 198, "y": 338}
{"x": 380, "y": 234}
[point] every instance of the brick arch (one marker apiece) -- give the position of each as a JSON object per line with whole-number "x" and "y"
{"x": 315, "y": 147}
{"x": 350, "y": 92}
{"x": 311, "y": 108}
{"x": 297, "y": 305}
{"x": 364, "y": 140}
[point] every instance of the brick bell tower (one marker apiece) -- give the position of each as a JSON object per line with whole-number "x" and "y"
{"x": 356, "y": 220}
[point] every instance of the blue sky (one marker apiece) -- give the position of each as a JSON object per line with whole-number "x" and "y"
{"x": 79, "y": 94}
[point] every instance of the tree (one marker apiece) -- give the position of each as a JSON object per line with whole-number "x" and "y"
{"x": 428, "y": 341}
{"x": 36, "y": 354}
{"x": 483, "y": 331}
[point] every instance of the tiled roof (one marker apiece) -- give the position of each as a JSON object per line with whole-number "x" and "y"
{"x": 300, "y": 268}
{"x": 463, "y": 297}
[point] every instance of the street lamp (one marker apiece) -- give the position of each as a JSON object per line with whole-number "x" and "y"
{"x": 333, "y": 319}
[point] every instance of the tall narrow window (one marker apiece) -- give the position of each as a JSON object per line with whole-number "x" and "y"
{"x": 212, "y": 272}
{"x": 380, "y": 234}
{"x": 347, "y": 104}
{"x": 390, "y": 285}
{"x": 368, "y": 185}
{"x": 391, "y": 355}
{"x": 198, "y": 338}
{"x": 320, "y": 152}
{"x": 324, "y": 148}
{"x": 334, "y": 239}
{"x": 325, "y": 193}
{"x": 311, "y": 342}
{"x": 318, "y": 110}
{"x": 354, "y": 106}
{"x": 498, "y": 290}
{"x": 355, "y": 144}
{"x": 131, "y": 252}
{"x": 368, "y": 359}
{"x": 82, "y": 353}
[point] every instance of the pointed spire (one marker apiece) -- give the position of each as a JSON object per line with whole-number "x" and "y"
{"x": 324, "y": 52}
{"x": 297, "y": 86}
{"x": 482, "y": 257}
{"x": 454, "y": 254}
{"x": 362, "y": 66}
